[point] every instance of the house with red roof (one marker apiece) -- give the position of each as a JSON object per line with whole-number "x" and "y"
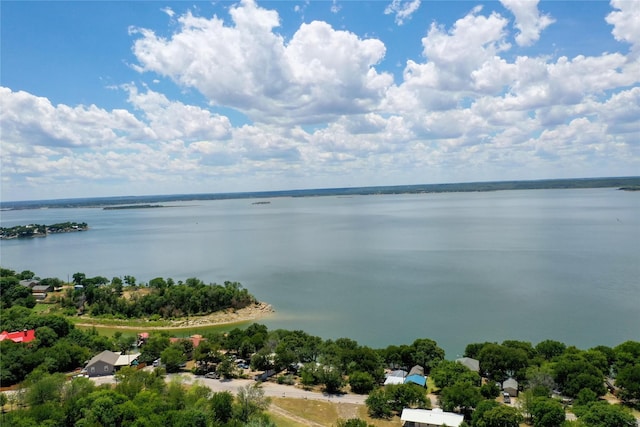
{"x": 27, "y": 335}
{"x": 195, "y": 340}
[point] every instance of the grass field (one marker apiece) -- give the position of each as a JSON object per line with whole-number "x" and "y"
{"x": 300, "y": 412}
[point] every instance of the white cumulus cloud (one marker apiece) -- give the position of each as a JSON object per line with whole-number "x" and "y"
{"x": 529, "y": 21}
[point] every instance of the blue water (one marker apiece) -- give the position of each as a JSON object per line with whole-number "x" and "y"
{"x": 454, "y": 267}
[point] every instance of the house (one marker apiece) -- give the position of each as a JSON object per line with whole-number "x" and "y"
{"x": 416, "y": 376}
{"x": 430, "y": 418}
{"x": 107, "y": 362}
{"x": 472, "y": 364}
{"x": 195, "y": 340}
{"x": 510, "y": 386}
{"x": 29, "y": 283}
{"x": 40, "y": 291}
{"x": 395, "y": 377}
{"x": 25, "y": 336}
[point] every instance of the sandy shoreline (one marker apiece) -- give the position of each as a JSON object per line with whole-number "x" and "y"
{"x": 255, "y": 311}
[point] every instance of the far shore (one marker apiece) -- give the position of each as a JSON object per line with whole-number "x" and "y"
{"x": 252, "y": 312}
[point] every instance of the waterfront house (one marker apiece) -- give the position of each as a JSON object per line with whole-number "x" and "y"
{"x": 430, "y": 418}
{"x": 510, "y": 386}
{"x": 472, "y": 364}
{"x": 416, "y": 376}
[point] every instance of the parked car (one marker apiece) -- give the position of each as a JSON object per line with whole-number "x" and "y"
{"x": 212, "y": 375}
{"x": 506, "y": 398}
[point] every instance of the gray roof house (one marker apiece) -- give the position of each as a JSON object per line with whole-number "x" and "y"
{"x": 472, "y": 364}
{"x": 107, "y": 362}
{"x": 29, "y": 283}
{"x": 40, "y": 291}
{"x": 510, "y": 386}
{"x": 102, "y": 364}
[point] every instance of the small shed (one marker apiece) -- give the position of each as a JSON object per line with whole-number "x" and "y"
{"x": 430, "y": 418}
{"x": 510, "y": 386}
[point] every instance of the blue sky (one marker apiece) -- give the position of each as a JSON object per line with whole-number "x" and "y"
{"x": 127, "y": 98}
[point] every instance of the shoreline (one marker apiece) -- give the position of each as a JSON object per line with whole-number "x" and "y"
{"x": 252, "y": 312}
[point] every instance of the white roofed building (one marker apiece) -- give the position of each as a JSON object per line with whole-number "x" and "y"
{"x": 430, "y": 418}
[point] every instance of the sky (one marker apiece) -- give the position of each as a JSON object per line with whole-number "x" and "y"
{"x": 117, "y": 98}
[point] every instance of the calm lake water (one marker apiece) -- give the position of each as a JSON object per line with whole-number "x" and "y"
{"x": 455, "y": 267}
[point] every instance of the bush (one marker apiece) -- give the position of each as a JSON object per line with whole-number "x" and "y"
{"x": 361, "y": 382}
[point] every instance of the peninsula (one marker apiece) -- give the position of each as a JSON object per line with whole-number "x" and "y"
{"x": 41, "y": 230}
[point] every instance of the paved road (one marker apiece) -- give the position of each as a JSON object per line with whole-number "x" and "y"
{"x": 270, "y": 389}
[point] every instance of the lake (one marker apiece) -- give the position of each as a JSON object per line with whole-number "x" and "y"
{"x": 381, "y": 269}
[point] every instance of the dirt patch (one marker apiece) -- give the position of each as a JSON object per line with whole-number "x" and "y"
{"x": 255, "y": 311}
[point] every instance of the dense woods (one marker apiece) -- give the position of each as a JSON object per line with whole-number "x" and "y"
{"x": 550, "y": 374}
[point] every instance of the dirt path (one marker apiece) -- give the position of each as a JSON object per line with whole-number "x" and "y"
{"x": 286, "y": 414}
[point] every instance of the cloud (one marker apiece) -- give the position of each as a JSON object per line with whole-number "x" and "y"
{"x": 175, "y": 120}
{"x": 30, "y": 120}
{"x": 529, "y": 21}
{"x": 625, "y": 22}
{"x": 320, "y": 73}
{"x": 322, "y": 114}
{"x": 402, "y": 9}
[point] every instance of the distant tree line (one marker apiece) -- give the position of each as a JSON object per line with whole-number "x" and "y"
{"x": 164, "y": 299}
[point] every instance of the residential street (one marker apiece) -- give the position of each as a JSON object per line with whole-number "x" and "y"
{"x": 270, "y": 389}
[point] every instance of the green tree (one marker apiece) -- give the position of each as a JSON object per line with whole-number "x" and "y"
{"x": 448, "y": 372}
{"x": 3, "y": 401}
{"x": 426, "y": 353}
{"x": 44, "y": 388}
{"x": 361, "y": 382}
{"x": 628, "y": 380}
{"x": 407, "y": 396}
{"x": 496, "y": 416}
{"x": 574, "y": 372}
{"x": 490, "y": 390}
{"x": 173, "y": 358}
{"x": 477, "y": 418}
{"x": 221, "y": 406}
{"x": 331, "y": 378}
{"x": 378, "y": 405}
{"x": 251, "y": 401}
{"x": 462, "y": 395}
{"x": 546, "y": 412}
{"x": 226, "y": 368}
{"x": 501, "y": 362}
{"x": 603, "y": 414}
